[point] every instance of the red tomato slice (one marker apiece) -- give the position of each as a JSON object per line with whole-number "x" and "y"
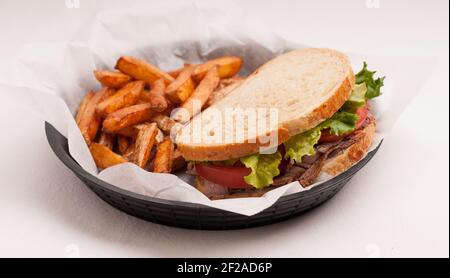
{"x": 362, "y": 115}
{"x": 228, "y": 176}
{"x": 326, "y": 136}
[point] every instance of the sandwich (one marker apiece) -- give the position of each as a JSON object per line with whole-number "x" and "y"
{"x": 323, "y": 124}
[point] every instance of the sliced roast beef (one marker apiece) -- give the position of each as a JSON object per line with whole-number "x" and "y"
{"x": 312, "y": 172}
{"x": 292, "y": 174}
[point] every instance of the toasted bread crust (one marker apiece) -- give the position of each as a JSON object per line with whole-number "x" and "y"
{"x": 325, "y": 110}
{"x": 225, "y": 151}
{"x": 351, "y": 155}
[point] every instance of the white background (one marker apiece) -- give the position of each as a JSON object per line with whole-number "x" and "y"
{"x": 397, "y": 206}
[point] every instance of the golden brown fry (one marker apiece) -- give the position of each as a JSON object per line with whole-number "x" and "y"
{"x": 104, "y": 157}
{"x": 183, "y": 86}
{"x": 176, "y": 72}
{"x": 145, "y": 97}
{"x": 122, "y": 144}
{"x": 126, "y": 96}
{"x": 178, "y": 161}
{"x": 144, "y": 144}
{"x": 127, "y": 117}
{"x": 112, "y": 79}
{"x": 129, "y": 153}
{"x": 141, "y": 70}
{"x": 157, "y": 99}
{"x": 129, "y": 132}
{"x": 83, "y": 106}
{"x": 107, "y": 140}
{"x": 89, "y": 121}
{"x": 228, "y": 67}
{"x": 164, "y": 123}
{"x": 199, "y": 97}
{"x": 163, "y": 158}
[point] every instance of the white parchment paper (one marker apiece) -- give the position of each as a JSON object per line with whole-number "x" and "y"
{"x": 52, "y": 78}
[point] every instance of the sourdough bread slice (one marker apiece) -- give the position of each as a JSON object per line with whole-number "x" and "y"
{"x": 305, "y": 87}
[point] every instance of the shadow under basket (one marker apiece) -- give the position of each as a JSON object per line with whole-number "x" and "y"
{"x": 196, "y": 216}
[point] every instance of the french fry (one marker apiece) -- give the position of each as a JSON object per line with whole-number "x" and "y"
{"x": 228, "y": 67}
{"x": 199, "y": 97}
{"x": 129, "y": 132}
{"x": 141, "y": 70}
{"x": 144, "y": 144}
{"x": 176, "y": 72}
{"x": 164, "y": 123}
{"x": 178, "y": 161}
{"x": 107, "y": 140}
{"x": 157, "y": 99}
{"x": 89, "y": 121}
{"x": 159, "y": 136}
{"x": 144, "y": 97}
{"x": 112, "y": 79}
{"x": 122, "y": 144}
{"x": 82, "y": 107}
{"x": 129, "y": 153}
{"x": 104, "y": 157}
{"x": 127, "y": 117}
{"x": 126, "y": 96}
{"x": 183, "y": 86}
{"x": 163, "y": 158}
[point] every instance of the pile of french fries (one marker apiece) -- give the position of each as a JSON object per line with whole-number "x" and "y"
{"x": 129, "y": 120}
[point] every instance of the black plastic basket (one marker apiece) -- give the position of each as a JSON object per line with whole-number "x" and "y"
{"x": 195, "y": 216}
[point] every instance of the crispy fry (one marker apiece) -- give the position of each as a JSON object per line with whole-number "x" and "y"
{"x": 159, "y": 136}
{"x": 144, "y": 144}
{"x": 129, "y": 132}
{"x": 89, "y": 120}
{"x": 176, "y": 72}
{"x": 129, "y": 153}
{"x": 144, "y": 97}
{"x": 178, "y": 161}
{"x": 157, "y": 99}
{"x": 163, "y": 158}
{"x": 228, "y": 67}
{"x": 112, "y": 79}
{"x": 122, "y": 144}
{"x": 107, "y": 140}
{"x": 164, "y": 123}
{"x": 127, "y": 117}
{"x": 104, "y": 157}
{"x": 141, "y": 70}
{"x": 83, "y": 106}
{"x": 183, "y": 86}
{"x": 199, "y": 97}
{"x": 126, "y": 96}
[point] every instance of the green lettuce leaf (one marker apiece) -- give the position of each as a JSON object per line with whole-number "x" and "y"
{"x": 357, "y": 98}
{"x": 340, "y": 123}
{"x": 301, "y": 144}
{"x": 373, "y": 85}
{"x": 264, "y": 168}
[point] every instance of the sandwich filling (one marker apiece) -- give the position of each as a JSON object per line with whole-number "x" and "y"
{"x": 303, "y": 155}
